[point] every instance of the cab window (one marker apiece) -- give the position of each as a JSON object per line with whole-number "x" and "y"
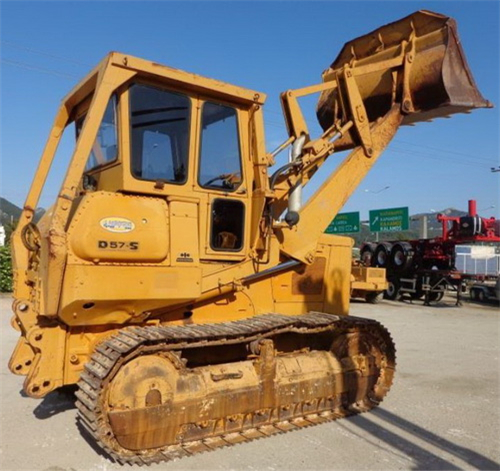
{"x": 159, "y": 122}
{"x": 220, "y": 160}
{"x": 104, "y": 149}
{"x": 228, "y": 217}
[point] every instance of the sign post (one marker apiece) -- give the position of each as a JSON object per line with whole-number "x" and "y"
{"x": 389, "y": 220}
{"x": 344, "y": 223}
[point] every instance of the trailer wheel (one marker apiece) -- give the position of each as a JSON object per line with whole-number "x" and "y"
{"x": 436, "y": 296}
{"x": 473, "y": 294}
{"x": 373, "y": 297}
{"x": 392, "y": 291}
{"x": 402, "y": 256}
{"x": 417, "y": 295}
{"x": 419, "y": 292}
{"x": 381, "y": 256}
{"x": 481, "y": 296}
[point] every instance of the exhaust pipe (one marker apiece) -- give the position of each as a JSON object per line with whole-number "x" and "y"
{"x": 472, "y": 208}
{"x": 295, "y": 198}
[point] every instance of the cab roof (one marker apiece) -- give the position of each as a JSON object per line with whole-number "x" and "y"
{"x": 175, "y": 78}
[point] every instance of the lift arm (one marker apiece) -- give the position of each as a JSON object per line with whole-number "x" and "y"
{"x": 408, "y": 71}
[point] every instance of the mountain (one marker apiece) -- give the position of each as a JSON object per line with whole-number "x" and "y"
{"x": 10, "y": 214}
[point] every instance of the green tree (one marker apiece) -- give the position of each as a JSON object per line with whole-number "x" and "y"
{"x": 9, "y": 229}
{"x": 5, "y": 270}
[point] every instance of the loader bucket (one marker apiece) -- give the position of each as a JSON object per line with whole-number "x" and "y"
{"x": 431, "y": 79}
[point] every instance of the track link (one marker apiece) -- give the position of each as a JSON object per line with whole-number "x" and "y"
{"x": 112, "y": 353}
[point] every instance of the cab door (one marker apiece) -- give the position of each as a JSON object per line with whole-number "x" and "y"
{"x": 222, "y": 181}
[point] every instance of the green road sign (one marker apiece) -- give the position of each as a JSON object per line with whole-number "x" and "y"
{"x": 389, "y": 220}
{"x": 344, "y": 223}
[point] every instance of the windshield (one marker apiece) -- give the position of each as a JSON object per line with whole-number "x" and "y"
{"x": 159, "y": 122}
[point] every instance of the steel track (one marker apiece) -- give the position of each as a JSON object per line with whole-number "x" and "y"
{"x": 112, "y": 353}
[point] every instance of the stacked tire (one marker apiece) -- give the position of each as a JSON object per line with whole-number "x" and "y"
{"x": 366, "y": 254}
{"x": 382, "y": 259}
{"x": 397, "y": 258}
{"x": 401, "y": 256}
{"x": 382, "y": 255}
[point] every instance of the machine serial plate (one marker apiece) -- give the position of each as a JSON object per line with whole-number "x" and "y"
{"x": 117, "y": 245}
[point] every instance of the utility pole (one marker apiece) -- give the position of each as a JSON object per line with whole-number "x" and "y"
{"x": 378, "y": 191}
{"x": 423, "y": 225}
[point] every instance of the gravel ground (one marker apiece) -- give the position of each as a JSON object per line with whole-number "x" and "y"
{"x": 443, "y": 411}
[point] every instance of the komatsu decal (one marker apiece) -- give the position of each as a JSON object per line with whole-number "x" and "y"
{"x": 119, "y": 225}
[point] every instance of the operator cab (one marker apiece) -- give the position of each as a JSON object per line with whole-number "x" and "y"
{"x": 165, "y": 139}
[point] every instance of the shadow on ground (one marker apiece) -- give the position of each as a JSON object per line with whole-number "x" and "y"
{"x": 56, "y": 402}
{"x": 423, "y": 458}
{"x": 397, "y": 435}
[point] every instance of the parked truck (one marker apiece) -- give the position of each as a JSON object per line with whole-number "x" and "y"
{"x": 485, "y": 291}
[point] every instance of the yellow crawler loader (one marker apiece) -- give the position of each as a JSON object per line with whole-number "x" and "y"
{"x": 185, "y": 290}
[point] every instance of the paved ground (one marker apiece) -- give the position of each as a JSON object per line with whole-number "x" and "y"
{"x": 443, "y": 411}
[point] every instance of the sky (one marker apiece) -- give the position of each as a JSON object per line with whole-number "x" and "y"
{"x": 47, "y": 47}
